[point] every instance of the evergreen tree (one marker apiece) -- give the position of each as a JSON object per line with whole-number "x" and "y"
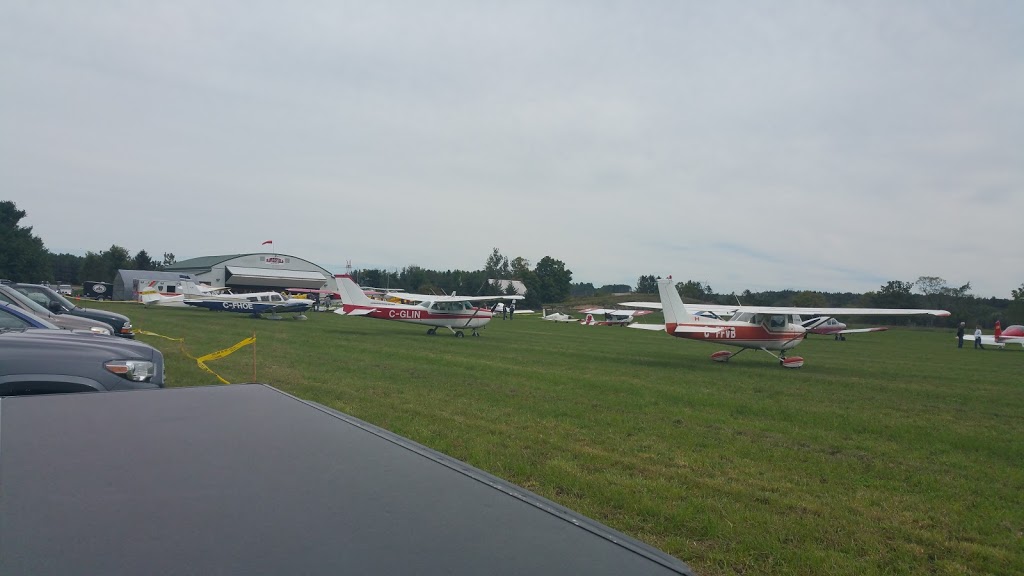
{"x": 23, "y": 257}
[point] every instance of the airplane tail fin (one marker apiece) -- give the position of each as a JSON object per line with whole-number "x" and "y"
{"x": 150, "y": 295}
{"x": 671, "y": 304}
{"x": 351, "y": 293}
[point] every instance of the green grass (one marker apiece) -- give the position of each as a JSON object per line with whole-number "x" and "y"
{"x": 890, "y": 453}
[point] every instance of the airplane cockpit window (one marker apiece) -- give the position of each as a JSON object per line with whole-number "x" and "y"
{"x": 252, "y": 298}
{"x": 776, "y": 322}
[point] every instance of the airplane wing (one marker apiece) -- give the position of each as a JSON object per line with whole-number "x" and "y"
{"x": 861, "y": 330}
{"x": 433, "y": 298}
{"x": 658, "y": 327}
{"x": 654, "y": 305}
{"x": 730, "y": 310}
{"x": 615, "y": 312}
{"x": 836, "y": 311}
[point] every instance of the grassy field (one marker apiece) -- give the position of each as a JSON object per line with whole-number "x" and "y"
{"x": 890, "y": 453}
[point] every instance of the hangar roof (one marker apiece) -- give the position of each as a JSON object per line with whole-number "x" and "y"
{"x": 204, "y": 262}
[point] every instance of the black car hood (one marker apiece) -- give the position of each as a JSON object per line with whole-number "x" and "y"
{"x": 96, "y": 313}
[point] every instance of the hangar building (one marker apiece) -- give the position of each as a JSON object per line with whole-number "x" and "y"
{"x": 256, "y": 272}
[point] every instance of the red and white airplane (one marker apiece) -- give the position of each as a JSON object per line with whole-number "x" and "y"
{"x": 833, "y": 327}
{"x": 610, "y": 317}
{"x": 767, "y": 328}
{"x": 1012, "y": 335}
{"x": 456, "y": 313}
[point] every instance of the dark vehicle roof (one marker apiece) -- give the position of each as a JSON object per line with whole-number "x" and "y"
{"x": 246, "y": 479}
{"x": 73, "y": 340}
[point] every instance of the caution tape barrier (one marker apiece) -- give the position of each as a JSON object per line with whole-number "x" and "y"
{"x": 202, "y": 360}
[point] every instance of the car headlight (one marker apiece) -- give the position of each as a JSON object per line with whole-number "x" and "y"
{"x": 134, "y": 370}
{"x": 99, "y": 330}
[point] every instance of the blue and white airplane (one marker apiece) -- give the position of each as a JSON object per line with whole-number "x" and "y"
{"x": 255, "y": 304}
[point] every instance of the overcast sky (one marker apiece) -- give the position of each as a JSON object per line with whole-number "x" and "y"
{"x": 752, "y": 145}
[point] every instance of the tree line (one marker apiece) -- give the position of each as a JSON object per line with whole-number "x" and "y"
{"x": 24, "y": 257}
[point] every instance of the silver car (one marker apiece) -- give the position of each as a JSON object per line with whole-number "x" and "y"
{"x": 66, "y": 321}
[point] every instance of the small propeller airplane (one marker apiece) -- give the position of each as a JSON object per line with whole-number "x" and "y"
{"x": 766, "y": 328}
{"x": 557, "y": 317}
{"x": 456, "y": 313}
{"x": 1012, "y": 335}
{"x": 833, "y": 327}
{"x": 256, "y": 304}
{"x": 612, "y": 317}
{"x": 151, "y": 295}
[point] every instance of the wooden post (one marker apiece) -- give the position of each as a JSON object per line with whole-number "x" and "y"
{"x": 254, "y": 356}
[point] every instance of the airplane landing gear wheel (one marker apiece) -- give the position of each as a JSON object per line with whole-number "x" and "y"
{"x": 432, "y": 331}
{"x": 459, "y": 335}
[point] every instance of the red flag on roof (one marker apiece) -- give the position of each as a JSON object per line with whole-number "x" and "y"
{"x": 267, "y": 242}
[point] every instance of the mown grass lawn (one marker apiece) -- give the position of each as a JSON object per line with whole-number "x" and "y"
{"x": 890, "y": 453}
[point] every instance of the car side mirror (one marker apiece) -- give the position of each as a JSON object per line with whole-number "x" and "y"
{"x": 56, "y": 308}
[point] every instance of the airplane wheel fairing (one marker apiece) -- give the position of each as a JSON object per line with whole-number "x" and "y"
{"x": 792, "y": 362}
{"x": 721, "y": 356}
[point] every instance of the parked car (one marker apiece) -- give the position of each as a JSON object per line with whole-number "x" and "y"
{"x": 46, "y": 361}
{"x": 58, "y": 304}
{"x": 11, "y": 296}
{"x": 14, "y": 318}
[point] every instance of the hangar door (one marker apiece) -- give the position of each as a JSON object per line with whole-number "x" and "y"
{"x": 274, "y": 277}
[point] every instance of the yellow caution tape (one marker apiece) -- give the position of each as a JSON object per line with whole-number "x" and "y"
{"x": 201, "y": 361}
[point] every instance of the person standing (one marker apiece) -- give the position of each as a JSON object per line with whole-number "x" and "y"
{"x": 960, "y": 335}
{"x": 511, "y": 309}
{"x": 998, "y": 331}
{"x": 504, "y": 311}
{"x": 977, "y": 338}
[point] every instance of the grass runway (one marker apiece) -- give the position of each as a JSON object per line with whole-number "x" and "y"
{"x": 889, "y": 453}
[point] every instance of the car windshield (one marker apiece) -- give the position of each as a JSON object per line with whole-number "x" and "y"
{"x": 47, "y": 294}
{"x": 19, "y": 299}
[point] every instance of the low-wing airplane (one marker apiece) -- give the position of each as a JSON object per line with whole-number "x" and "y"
{"x": 557, "y": 317}
{"x": 255, "y": 304}
{"x": 1012, "y": 335}
{"x": 764, "y": 328}
{"x": 833, "y": 327}
{"x": 611, "y": 317}
{"x": 456, "y": 313}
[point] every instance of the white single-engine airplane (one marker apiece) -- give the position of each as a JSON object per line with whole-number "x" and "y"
{"x": 151, "y": 296}
{"x": 456, "y": 313}
{"x": 764, "y": 328}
